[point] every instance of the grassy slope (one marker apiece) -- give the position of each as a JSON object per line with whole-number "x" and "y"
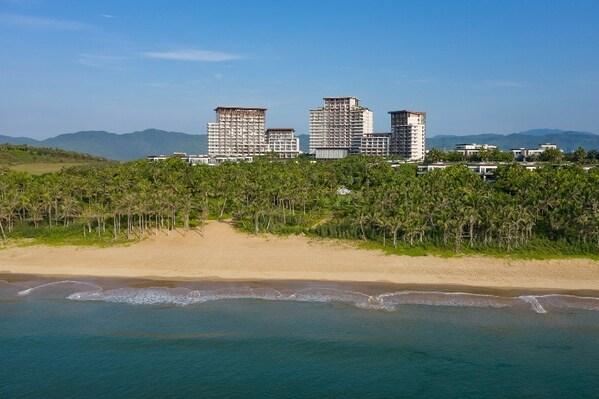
{"x": 34, "y": 160}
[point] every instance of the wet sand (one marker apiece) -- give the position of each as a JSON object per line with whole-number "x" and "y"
{"x": 218, "y": 252}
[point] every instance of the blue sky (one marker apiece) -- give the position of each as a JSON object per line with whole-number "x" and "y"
{"x": 473, "y": 66}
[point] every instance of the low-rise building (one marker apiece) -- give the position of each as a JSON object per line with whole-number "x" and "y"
{"x": 201, "y": 159}
{"x": 282, "y": 141}
{"x": 331, "y": 153}
{"x": 523, "y": 153}
{"x": 375, "y": 144}
{"x": 485, "y": 170}
{"x": 473, "y": 149}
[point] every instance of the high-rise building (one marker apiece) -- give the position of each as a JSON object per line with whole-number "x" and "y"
{"x": 339, "y": 124}
{"x": 282, "y": 141}
{"x": 408, "y": 134}
{"x": 238, "y": 131}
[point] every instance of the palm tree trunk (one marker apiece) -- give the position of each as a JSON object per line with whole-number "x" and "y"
{"x": 2, "y": 231}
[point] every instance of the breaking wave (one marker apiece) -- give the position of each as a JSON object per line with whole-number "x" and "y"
{"x": 534, "y": 303}
{"x": 29, "y": 291}
{"x": 386, "y": 301}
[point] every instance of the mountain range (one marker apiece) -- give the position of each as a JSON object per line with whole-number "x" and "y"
{"x": 137, "y": 145}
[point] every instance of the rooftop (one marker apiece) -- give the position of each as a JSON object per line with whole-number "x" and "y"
{"x": 240, "y": 108}
{"x": 408, "y": 111}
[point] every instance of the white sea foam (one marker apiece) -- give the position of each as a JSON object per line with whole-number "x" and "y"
{"x": 534, "y": 303}
{"x": 386, "y": 301}
{"x": 174, "y": 296}
{"x": 55, "y": 283}
{"x": 439, "y": 298}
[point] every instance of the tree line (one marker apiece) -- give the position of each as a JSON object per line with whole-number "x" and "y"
{"x": 357, "y": 197}
{"x": 551, "y": 155}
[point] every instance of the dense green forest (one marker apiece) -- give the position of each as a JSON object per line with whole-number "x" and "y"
{"x": 555, "y": 208}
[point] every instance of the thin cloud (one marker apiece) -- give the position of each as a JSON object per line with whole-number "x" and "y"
{"x": 192, "y": 55}
{"x": 107, "y": 16}
{"x": 29, "y": 22}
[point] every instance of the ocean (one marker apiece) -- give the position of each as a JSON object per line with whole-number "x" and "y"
{"x": 130, "y": 339}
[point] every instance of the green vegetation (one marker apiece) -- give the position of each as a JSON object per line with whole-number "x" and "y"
{"x": 41, "y": 168}
{"x": 550, "y": 212}
{"x": 436, "y": 155}
{"x": 24, "y": 154}
{"x": 551, "y": 155}
{"x": 24, "y": 158}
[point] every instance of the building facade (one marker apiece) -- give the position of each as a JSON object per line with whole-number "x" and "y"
{"x": 282, "y": 141}
{"x": 339, "y": 124}
{"x": 375, "y": 144}
{"x": 473, "y": 149}
{"x": 237, "y": 132}
{"x": 408, "y": 134}
{"x": 523, "y": 153}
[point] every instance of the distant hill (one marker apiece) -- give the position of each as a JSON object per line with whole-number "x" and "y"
{"x": 153, "y": 141}
{"x": 566, "y": 140}
{"x": 121, "y": 146}
{"x": 128, "y": 146}
{"x": 17, "y": 140}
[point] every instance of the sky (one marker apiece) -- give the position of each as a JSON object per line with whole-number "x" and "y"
{"x": 474, "y": 66}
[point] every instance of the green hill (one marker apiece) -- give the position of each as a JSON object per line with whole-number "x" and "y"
{"x": 11, "y": 154}
{"x": 40, "y": 159}
{"x": 120, "y": 146}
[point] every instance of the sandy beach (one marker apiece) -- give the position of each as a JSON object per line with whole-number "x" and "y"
{"x": 219, "y": 252}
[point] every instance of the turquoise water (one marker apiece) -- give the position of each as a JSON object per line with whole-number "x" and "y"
{"x": 110, "y": 347}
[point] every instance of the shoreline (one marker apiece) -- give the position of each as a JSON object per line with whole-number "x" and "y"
{"x": 367, "y": 287}
{"x": 218, "y": 253}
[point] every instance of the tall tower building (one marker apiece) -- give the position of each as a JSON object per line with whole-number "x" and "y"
{"x": 339, "y": 124}
{"x": 408, "y": 134}
{"x": 238, "y": 131}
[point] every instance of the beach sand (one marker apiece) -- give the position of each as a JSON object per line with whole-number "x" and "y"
{"x": 219, "y": 252}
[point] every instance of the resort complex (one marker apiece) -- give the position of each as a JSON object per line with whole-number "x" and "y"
{"x": 343, "y": 127}
{"x": 339, "y": 128}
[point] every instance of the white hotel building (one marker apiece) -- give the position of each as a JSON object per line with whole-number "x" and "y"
{"x": 408, "y": 134}
{"x": 339, "y": 125}
{"x": 237, "y": 132}
{"x": 342, "y": 127}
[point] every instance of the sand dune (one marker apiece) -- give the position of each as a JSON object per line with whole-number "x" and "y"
{"x": 220, "y": 252}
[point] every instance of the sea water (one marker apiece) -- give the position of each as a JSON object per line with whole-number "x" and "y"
{"x": 97, "y": 339}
